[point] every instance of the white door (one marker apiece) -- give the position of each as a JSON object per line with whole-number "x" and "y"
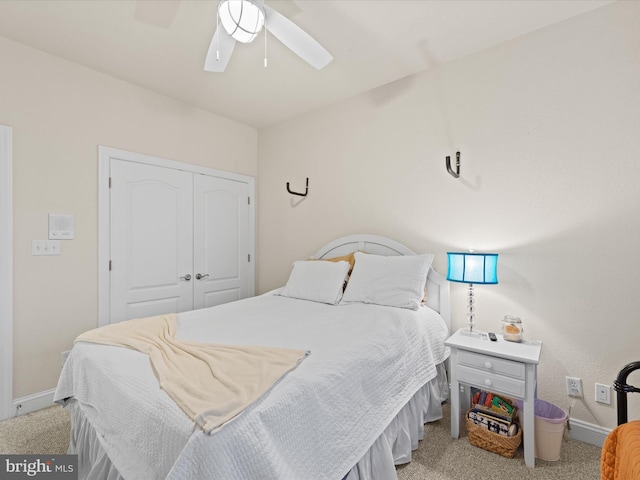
{"x": 151, "y": 240}
{"x": 221, "y": 240}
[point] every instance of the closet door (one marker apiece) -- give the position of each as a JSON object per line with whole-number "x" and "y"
{"x": 151, "y": 240}
{"x": 221, "y": 240}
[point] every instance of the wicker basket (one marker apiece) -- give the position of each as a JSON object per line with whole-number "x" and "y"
{"x": 500, "y": 444}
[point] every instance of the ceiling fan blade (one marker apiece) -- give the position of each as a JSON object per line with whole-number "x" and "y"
{"x": 296, "y": 39}
{"x": 220, "y": 51}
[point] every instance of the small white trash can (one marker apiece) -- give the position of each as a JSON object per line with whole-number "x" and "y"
{"x": 550, "y": 422}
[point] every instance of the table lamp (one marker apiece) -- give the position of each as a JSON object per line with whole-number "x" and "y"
{"x": 472, "y": 268}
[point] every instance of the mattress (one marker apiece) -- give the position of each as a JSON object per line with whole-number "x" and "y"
{"x": 367, "y": 362}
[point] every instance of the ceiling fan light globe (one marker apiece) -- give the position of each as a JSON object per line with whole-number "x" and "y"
{"x": 241, "y": 19}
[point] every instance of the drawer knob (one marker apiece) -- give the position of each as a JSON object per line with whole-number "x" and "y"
{"x": 487, "y": 382}
{"x": 487, "y": 365}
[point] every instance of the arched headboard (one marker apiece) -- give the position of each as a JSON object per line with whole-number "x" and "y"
{"x": 437, "y": 285}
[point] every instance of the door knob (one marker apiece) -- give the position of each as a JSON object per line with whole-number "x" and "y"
{"x": 187, "y": 277}
{"x": 200, "y": 276}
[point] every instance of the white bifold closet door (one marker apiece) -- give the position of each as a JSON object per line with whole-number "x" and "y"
{"x": 179, "y": 240}
{"x": 220, "y": 242}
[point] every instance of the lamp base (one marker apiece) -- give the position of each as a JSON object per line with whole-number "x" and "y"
{"x": 470, "y": 333}
{"x": 470, "y": 330}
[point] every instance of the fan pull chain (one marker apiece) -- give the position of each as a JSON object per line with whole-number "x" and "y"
{"x": 218, "y": 37}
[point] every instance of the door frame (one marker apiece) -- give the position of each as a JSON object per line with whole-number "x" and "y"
{"x": 105, "y": 155}
{"x": 6, "y": 273}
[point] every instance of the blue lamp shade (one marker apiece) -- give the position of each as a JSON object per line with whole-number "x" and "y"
{"x": 473, "y": 267}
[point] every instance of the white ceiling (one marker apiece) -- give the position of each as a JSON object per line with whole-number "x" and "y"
{"x": 373, "y": 42}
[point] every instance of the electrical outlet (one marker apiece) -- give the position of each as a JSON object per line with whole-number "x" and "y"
{"x": 574, "y": 387}
{"x": 603, "y": 393}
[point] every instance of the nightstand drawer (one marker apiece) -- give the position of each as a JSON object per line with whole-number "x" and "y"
{"x": 490, "y": 381}
{"x": 491, "y": 364}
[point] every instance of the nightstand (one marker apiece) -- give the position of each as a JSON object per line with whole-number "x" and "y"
{"x": 502, "y": 367}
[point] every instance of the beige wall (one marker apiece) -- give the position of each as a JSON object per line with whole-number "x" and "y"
{"x": 60, "y": 113}
{"x": 548, "y": 129}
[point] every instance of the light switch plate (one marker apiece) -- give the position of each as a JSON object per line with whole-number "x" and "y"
{"x": 45, "y": 247}
{"x": 603, "y": 394}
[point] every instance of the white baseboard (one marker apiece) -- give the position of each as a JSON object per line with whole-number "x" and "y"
{"x": 587, "y": 432}
{"x": 34, "y": 402}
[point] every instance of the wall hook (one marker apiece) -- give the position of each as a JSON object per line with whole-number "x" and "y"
{"x": 455, "y": 174}
{"x": 299, "y": 194}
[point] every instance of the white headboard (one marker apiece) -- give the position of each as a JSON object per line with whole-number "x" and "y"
{"x": 437, "y": 285}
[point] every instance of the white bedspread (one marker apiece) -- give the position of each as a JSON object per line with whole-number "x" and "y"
{"x": 366, "y": 362}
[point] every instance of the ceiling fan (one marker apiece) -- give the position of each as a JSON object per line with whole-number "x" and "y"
{"x": 242, "y": 20}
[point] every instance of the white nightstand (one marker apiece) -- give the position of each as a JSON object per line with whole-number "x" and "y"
{"x": 500, "y": 367}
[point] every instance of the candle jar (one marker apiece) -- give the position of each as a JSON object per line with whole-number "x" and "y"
{"x": 512, "y": 329}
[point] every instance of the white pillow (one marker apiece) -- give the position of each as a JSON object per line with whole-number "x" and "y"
{"x": 395, "y": 281}
{"x": 317, "y": 281}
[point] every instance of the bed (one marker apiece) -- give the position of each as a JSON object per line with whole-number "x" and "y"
{"x": 620, "y": 458}
{"x": 352, "y": 409}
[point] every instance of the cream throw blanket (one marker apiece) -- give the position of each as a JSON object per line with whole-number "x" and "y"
{"x": 211, "y": 383}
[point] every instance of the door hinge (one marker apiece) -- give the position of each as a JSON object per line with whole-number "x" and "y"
{"x": 109, "y": 182}
{"x": 248, "y": 257}
{"x": 109, "y": 265}
{"x": 248, "y": 200}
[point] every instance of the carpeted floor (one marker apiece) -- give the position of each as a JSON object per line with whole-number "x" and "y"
{"x": 43, "y": 432}
{"x": 439, "y": 457}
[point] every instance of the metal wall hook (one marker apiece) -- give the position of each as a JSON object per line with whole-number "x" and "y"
{"x": 455, "y": 174}
{"x": 299, "y": 194}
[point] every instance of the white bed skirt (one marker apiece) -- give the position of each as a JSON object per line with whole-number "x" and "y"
{"x": 393, "y": 447}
